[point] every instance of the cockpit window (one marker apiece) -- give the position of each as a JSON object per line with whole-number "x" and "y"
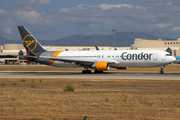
{"x": 167, "y": 54}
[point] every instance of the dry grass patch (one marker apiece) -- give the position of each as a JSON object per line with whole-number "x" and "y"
{"x": 103, "y": 99}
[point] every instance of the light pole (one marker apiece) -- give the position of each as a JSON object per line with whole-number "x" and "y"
{"x": 114, "y": 30}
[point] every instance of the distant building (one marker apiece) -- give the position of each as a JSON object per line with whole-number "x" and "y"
{"x": 171, "y": 46}
{"x": 148, "y": 43}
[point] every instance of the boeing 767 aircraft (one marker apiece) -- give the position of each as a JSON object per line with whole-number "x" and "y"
{"x": 98, "y": 60}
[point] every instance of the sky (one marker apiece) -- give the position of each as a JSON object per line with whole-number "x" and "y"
{"x": 55, "y": 19}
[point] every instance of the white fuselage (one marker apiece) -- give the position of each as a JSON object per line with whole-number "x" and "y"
{"x": 121, "y": 58}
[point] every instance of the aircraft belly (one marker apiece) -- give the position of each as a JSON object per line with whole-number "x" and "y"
{"x": 143, "y": 63}
{"x": 127, "y": 64}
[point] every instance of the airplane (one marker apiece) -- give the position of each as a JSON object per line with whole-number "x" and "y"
{"x": 100, "y": 60}
{"x": 2, "y": 60}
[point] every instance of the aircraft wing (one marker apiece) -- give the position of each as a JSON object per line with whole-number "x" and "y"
{"x": 82, "y": 61}
{"x": 70, "y": 60}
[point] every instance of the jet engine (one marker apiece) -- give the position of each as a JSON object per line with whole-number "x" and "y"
{"x": 101, "y": 66}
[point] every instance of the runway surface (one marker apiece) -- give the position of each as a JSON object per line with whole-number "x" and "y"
{"x": 105, "y": 75}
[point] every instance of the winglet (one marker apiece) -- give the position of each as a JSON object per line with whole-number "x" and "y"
{"x": 97, "y": 48}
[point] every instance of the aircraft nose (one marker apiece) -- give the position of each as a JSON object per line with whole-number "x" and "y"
{"x": 173, "y": 58}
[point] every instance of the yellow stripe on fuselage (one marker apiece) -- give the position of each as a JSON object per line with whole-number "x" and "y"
{"x": 54, "y": 55}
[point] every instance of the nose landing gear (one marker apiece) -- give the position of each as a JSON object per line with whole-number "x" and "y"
{"x": 162, "y": 70}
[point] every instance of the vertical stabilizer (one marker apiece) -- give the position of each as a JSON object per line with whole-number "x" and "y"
{"x": 30, "y": 42}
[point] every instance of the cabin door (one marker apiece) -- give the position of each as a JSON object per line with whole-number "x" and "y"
{"x": 155, "y": 56}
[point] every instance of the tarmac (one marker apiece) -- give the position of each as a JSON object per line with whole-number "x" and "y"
{"x": 105, "y": 75}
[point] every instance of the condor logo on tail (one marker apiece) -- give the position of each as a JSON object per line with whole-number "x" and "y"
{"x": 29, "y": 41}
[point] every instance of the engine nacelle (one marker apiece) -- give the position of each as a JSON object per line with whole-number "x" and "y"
{"x": 122, "y": 68}
{"x": 101, "y": 66}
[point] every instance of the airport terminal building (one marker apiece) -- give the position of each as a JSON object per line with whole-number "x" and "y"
{"x": 171, "y": 46}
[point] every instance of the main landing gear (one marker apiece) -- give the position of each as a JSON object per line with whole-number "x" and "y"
{"x": 89, "y": 71}
{"x": 95, "y": 71}
{"x": 162, "y": 70}
{"x": 86, "y": 71}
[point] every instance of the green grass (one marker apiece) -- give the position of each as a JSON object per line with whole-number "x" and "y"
{"x": 3, "y": 84}
{"x": 84, "y": 84}
{"x": 23, "y": 80}
{"x": 69, "y": 88}
{"x": 14, "y": 84}
{"x": 33, "y": 85}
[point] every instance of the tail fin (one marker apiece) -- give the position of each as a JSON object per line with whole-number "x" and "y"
{"x": 32, "y": 46}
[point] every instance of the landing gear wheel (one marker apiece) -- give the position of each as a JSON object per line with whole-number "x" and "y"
{"x": 95, "y": 71}
{"x": 86, "y": 71}
{"x": 161, "y": 72}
